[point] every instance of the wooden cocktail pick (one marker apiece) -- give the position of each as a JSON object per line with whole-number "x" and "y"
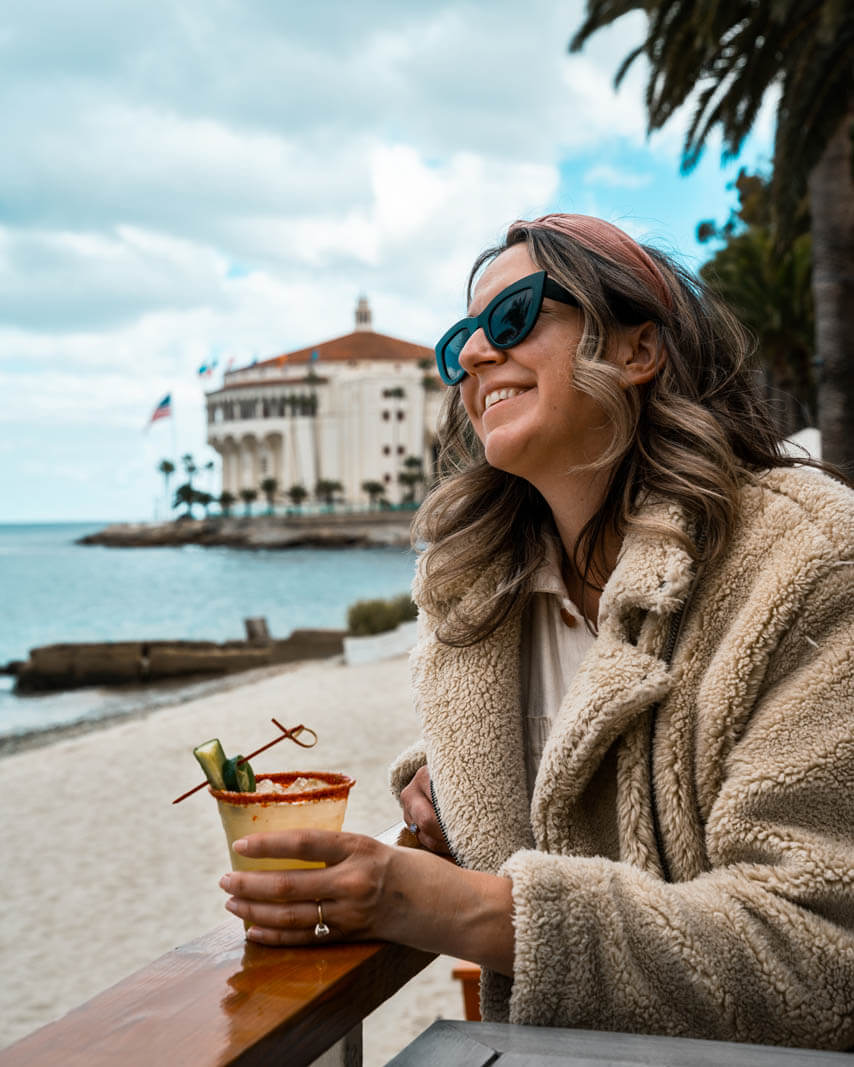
{"x": 292, "y": 734}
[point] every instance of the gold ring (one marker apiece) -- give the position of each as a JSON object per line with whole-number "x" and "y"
{"x": 321, "y": 929}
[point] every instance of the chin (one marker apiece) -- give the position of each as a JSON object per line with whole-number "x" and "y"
{"x": 504, "y": 459}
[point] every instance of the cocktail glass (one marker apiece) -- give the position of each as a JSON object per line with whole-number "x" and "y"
{"x": 254, "y": 813}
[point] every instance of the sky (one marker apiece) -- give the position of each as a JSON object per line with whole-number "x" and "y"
{"x": 190, "y": 181}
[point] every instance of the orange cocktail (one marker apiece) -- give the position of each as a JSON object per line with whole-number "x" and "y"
{"x": 291, "y": 800}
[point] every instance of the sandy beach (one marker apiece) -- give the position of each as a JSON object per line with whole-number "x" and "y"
{"x": 95, "y": 890}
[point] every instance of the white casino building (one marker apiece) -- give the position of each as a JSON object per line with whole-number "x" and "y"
{"x": 349, "y": 410}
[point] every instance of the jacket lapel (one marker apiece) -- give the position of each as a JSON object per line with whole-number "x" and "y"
{"x": 470, "y": 708}
{"x": 615, "y": 684}
{"x": 622, "y": 677}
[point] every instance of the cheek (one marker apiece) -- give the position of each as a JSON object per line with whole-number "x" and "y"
{"x": 468, "y": 395}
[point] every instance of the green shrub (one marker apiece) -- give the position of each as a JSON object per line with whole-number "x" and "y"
{"x": 367, "y": 617}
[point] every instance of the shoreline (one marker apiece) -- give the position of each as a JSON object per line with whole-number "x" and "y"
{"x": 152, "y": 698}
{"x": 380, "y": 529}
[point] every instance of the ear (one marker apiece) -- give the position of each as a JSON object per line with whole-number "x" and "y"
{"x": 639, "y": 354}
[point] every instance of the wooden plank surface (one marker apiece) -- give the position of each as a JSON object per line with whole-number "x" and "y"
{"x": 221, "y": 1000}
{"x": 467, "y": 1044}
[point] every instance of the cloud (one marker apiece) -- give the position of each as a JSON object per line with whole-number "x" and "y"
{"x": 189, "y": 124}
{"x": 76, "y": 280}
{"x": 184, "y": 177}
{"x": 143, "y": 152}
{"x": 614, "y": 178}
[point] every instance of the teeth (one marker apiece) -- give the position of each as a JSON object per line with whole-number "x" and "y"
{"x": 500, "y": 394}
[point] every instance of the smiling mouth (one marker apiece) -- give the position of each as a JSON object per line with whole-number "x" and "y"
{"x": 498, "y": 395}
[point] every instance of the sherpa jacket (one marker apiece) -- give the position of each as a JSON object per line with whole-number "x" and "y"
{"x": 719, "y": 904}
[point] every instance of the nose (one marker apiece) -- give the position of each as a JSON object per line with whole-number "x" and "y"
{"x": 478, "y": 353}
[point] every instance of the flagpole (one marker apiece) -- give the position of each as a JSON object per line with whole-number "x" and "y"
{"x": 174, "y": 441}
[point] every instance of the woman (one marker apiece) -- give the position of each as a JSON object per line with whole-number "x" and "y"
{"x": 634, "y": 675}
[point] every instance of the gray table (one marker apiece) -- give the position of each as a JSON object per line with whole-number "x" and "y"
{"x": 459, "y": 1044}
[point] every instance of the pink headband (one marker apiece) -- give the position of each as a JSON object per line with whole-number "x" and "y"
{"x": 608, "y": 241}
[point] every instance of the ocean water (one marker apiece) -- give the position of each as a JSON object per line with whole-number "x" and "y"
{"x": 54, "y": 590}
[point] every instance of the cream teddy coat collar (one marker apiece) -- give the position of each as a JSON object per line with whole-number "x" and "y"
{"x": 751, "y": 751}
{"x": 625, "y": 677}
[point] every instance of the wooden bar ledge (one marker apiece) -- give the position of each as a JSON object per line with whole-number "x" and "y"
{"x": 221, "y": 1000}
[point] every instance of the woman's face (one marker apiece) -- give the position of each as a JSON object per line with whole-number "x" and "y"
{"x": 521, "y": 401}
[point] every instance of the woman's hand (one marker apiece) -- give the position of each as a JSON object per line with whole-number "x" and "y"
{"x": 282, "y": 905}
{"x": 368, "y": 891}
{"x": 418, "y": 811}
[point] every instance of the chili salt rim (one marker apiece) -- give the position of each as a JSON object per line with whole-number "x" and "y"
{"x": 339, "y": 786}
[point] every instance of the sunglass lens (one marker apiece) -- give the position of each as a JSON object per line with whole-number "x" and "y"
{"x": 509, "y": 320}
{"x": 451, "y": 355}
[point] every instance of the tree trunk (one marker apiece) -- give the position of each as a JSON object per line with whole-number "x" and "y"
{"x": 831, "y": 192}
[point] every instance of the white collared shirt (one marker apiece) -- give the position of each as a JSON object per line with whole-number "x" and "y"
{"x": 555, "y": 640}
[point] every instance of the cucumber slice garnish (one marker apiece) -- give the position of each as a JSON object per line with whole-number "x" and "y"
{"x": 212, "y": 758}
{"x": 239, "y": 777}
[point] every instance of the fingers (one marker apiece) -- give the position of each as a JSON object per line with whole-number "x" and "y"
{"x": 290, "y": 885}
{"x": 318, "y": 846}
{"x": 275, "y": 937}
{"x": 284, "y": 901}
{"x": 434, "y": 844}
{"x": 416, "y": 802}
{"x": 418, "y": 811}
{"x": 285, "y": 924}
{"x": 299, "y": 917}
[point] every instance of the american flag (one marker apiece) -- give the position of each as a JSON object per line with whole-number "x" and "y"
{"x": 163, "y": 409}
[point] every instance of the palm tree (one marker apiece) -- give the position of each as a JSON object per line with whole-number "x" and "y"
{"x": 268, "y": 488}
{"x": 375, "y": 491}
{"x": 326, "y": 491}
{"x": 733, "y": 53}
{"x": 248, "y": 496}
{"x": 227, "y": 501}
{"x": 430, "y": 379}
{"x": 185, "y": 495}
{"x": 771, "y": 292}
{"x": 297, "y": 494}
{"x": 167, "y": 469}
{"x": 410, "y": 476}
{"x": 190, "y": 467}
{"x": 205, "y": 499}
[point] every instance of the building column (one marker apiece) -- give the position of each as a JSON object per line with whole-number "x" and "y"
{"x": 273, "y": 442}
{"x": 249, "y": 474}
{"x": 230, "y": 467}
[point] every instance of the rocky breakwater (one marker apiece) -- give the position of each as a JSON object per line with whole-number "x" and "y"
{"x": 71, "y": 666}
{"x": 381, "y": 528}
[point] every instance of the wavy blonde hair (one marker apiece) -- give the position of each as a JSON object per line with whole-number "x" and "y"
{"x": 692, "y": 435}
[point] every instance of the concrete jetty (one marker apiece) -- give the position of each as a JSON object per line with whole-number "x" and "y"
{"x": 324, "y": 530}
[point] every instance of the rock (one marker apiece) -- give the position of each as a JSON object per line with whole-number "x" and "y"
{"x": 256, "y": 629}
{"x": 387, "y": 528}
{"x": 70, "y": 666}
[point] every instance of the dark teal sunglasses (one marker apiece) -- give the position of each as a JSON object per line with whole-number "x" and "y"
{"x": 506, "y": 320}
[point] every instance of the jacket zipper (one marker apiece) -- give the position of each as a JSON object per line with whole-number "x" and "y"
{"x": 442, "y": 824}
{"x": 669, "y": 647}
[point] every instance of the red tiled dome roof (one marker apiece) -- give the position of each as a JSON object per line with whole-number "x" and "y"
{"x": 361, "y": 345}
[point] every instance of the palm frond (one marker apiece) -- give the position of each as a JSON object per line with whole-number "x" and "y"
{"x": 601, "y": 13}
{"x": 627, "y": 62}
{"x": 723, "y": 57}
